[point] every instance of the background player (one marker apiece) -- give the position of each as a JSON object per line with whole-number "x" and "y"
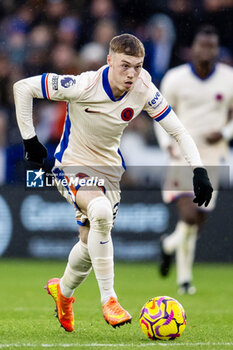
{"x": 99, "y": 107}
{"x": 202, "y": 94}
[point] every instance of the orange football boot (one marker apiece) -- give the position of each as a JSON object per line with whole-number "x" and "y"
{"x": 63, "y": 305}
{"x": 114, "y": 314}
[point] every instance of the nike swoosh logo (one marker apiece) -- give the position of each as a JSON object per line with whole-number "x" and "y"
{"x": 90, "y": 111}
{"x": 101, "y": 242}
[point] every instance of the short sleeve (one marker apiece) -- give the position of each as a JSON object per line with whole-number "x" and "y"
{"x": 60, "y": 87}
{"x": 156, "y": 105}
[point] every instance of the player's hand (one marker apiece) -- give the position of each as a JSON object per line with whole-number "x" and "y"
{"x": 202, "y": 187}
{"x": 34, "y": 151}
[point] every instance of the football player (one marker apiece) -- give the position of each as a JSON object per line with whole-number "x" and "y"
{"x": 201, "y": 93}
{"x": 100, "y": 105}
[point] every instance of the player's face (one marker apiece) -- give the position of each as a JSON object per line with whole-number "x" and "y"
{"x": 123, "y": 72}
{"x": 205, "y": 49}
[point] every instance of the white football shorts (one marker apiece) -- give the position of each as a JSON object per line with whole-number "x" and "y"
{"x": 69, "y": 179}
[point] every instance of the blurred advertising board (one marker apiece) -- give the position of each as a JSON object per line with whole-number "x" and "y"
{"x": 41, "y": 224}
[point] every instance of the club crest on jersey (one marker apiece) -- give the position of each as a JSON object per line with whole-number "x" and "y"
{"x": 127, "y": 114}
{"x": 67, "y": 82}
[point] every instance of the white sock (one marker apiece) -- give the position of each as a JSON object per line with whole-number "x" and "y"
{"x": 100, "y": 246}
{"x": 172, "y": 241}
{"x": 77, "y": 269}
{"x": 185, "y": 253}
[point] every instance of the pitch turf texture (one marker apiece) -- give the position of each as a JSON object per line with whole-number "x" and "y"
{"x": 27, "y": 321}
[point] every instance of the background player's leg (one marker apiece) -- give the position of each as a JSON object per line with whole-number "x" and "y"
{"x": 185, "y": 251}
{"x": 188, "y": 215}
{"x": 169, "y": 245}
{"x": 171, "y": 242}
{"x": 78, "y": 266}
{"x": 190, "y": 219}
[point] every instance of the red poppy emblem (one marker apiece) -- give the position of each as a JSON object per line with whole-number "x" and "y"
{"x": 127, "y": 114}
{"x": 219, "y": 97}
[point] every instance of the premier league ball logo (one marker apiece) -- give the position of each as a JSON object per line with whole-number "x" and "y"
{"x": 67, "y": 82}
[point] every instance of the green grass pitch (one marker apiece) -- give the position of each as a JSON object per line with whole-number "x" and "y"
{"x": 27, "y": 321}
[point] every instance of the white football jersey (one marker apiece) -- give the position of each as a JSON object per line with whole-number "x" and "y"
{"x": 202, "y": 105}
{"x": 95, "y": 120}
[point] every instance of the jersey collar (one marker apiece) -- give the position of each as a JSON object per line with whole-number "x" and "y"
{"x": 195, "y": 73}
{"x": 107, "y": 87}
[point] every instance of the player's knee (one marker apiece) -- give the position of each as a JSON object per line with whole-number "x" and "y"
{"x": 99, "y": 212}
{"x": 191, "y": 218}
{"x": 189, "y": 215}
{"x": 195, "y": 217}
{"x": 188, "y": 211}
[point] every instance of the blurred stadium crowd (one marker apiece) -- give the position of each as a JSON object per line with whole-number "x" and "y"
{"x": 68, "y": 37}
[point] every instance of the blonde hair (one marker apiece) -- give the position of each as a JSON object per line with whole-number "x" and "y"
{"x": 127, "y": 44}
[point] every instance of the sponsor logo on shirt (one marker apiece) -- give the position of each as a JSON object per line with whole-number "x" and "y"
{"x": 67, "y": 82}
{"x": 127, "y": 114}
{"x": 55, "y": 82}
{"x": 154, "y": 100}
